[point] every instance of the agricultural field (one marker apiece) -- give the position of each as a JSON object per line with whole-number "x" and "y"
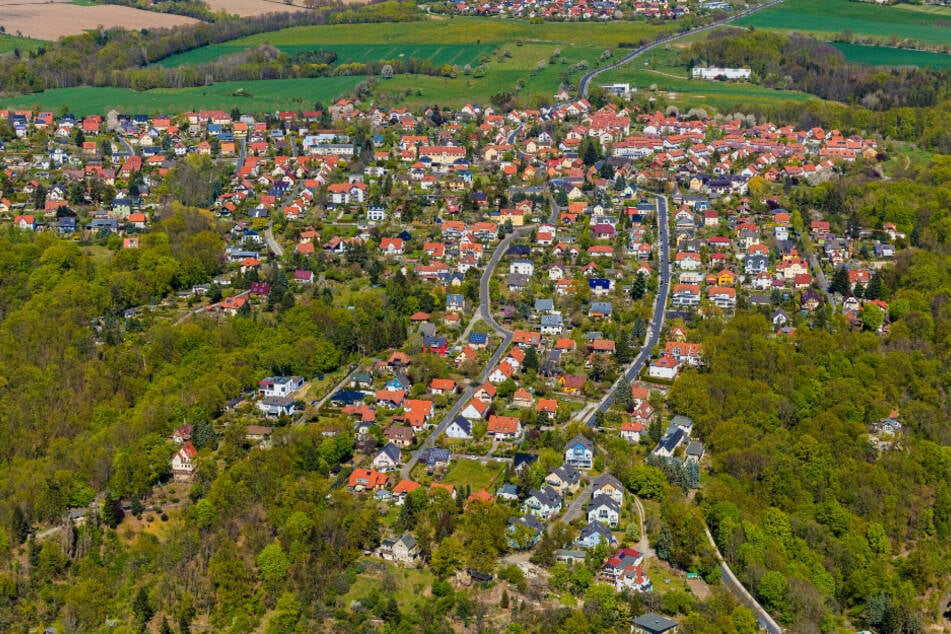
{"x": 927, "y": 25}
{"x": 50, "y": 21}
{"x": 257, "y": 7}
{"x": 263, "y": 96}
{"x": 886, "y": 56}
{"x": 458, "y": 54}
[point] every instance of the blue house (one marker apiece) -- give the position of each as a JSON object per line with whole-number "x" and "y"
{"x": 346, "y": 397}
{"x": 599, "y": 285}
{"x": 523, "y": 532}
{"x": 579, "y": 452}
{"x": 478, "y": 339}
{"x": 66, "y": 224}
{"x": 595, "y": 533}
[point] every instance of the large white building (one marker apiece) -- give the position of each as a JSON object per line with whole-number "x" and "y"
{"x": 712, "y": 72}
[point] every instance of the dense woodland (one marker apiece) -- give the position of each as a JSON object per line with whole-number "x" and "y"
{"x": 813, "y": 518}
{"x": 799, "y": 62}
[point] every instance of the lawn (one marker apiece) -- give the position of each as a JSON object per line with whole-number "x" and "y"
{"x": 887, "y": 56}
{"x": 472, "y": 473}
{"x": 265, "y": 96}
{"x": 925, "y": 24}
{"x": 411, "y": 583}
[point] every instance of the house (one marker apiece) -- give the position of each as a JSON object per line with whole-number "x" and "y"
{"x": 400, "y": 435}
{"x": 607, "y": 485}
{"x": 486, "y": 392}
{"x": 505, "y": 427}
{"x": 389, "y": 457}
{"x": 669, "y": 442}
{"x": 508, "y": 492}
{"x": 183, "y": 461}
{"x": 623, "y": 561}
{"x": 402, "y": 489}
{"x": 502, "y": 372}
{"x": 595, "y": 533}
{"x": 579, "y": 452}
{"x": 391, "y": 246}
{"x": 547, "y": 407}
{"x": 390, "y": 398}
{"x": 666, "y": 367}
{"x": 600, "y": 310}
{"x": 362, "y": 479}
{"x": 455, "y": 303}
{"x": 564, "y": 479}
{"x": 459, "y": 428}
{"x": 442, "y": 386}
{"x": 417, "y": 412}
{"x": 273, "y": 406}
{"x": 551, "y": 324}
{"x": 437, "y": 458}
{"x": 523, "y": 532}
{"x": 631, "y": 431}
{"x": 183, "y": 433}
{"x": 521, "y": 460}
{"x": 280, "y": 385}
{"x": 571, "y": 384}
{"x": 403, "y": 549}
{"x": 694, "y": 451}
{"x": 475, "y": 410}
{"x": 603, "y": 509}
{"x": 543, "y": 503}
{"x": 651, "y": 623}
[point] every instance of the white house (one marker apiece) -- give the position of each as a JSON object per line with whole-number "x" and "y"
{"x": 280, "y": 385}
{"x": 388, "y": 458}
{"x": 579, "y": 452}
{"x": 183, "y": 461}
{"x": 603, "y": 509}
{"x": 665, "y": 367}
{"x": 460, "y": 428}
{"x": 523, "y": 267}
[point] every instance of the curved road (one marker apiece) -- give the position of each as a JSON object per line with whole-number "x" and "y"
{"x": 587, "y": 78}
{"x": 657, "y": 321}
{"x": 485, "y": 313}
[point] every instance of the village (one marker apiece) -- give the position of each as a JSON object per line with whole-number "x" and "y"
{"x": 570, "y": 253}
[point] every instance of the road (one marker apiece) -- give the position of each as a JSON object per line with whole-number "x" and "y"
{"x": 589, "y": 77}
{"x": 736, "y": 588}
{"x": 643, "y": 546}
{"x": 657, "y": 322}
{"x": 577, "y": 505}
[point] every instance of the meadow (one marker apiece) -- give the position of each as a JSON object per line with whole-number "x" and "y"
{"x": 8, "y": 43}
{"x": 265, "y": 96}
{"x": 929, "y": 25}
{"x": 887, "y": 56}
{"x": 662, "y": 70}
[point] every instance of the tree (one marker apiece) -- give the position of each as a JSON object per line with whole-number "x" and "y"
{"x": 872, "y": 317}
{"x": 387, "y": 71}
{"x": 204, "y": 436}
{"x": 638, "y": 287}
{"x": 530, "y": 362}
{"x": 840, "y": 281}
{"x": 447, "y": 558}
{"x": 622, "y": 350}
{"x": 111, "y": 511}
{"x": 142, "y": 609}
{"x": 772, "y": 589}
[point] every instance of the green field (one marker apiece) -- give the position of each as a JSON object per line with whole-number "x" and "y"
{"x": 472, "y": 473}
{"x": 267, "y": 96}
{"x": 886, "y": 56}
{"x": 458, "y": 54}
{"x": 10, "y": 42}
{"x": 926, "y": 24}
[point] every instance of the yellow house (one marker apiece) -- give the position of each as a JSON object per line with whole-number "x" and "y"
{"x": 515, "y": 216}
{"x": 726, "y": 278}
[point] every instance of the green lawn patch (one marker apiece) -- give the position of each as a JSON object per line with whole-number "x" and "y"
{"x": 472, "y": 473}
{"x": 411, "y": 583}
{"x": 887, "y": 56}
{"x": 925, "y": 24}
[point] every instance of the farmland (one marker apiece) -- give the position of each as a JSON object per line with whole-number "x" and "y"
{"x": 50, "y": 21}
{"x": 927, "y": 25}
{"x": 8, "y": 43}
{"x": 265, "y": 96}
{"x": 886, "y": 56}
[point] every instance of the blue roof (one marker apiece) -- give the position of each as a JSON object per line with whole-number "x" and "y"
{"x": 347, "y": 397}
{"x": 478, "y": 338}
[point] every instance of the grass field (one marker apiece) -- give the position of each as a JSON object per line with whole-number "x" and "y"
{"x": 459, "y": 54}
{"x": 886, "y": 56}
{"x": 662, "y": 70}
{"x": 472, "y": 473}
{"x": 267, "y": 96}
{"x": 926, "y": 24}
{"x": 10, "y": 42}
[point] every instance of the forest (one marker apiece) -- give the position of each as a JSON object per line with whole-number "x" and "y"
{"x": 812, "y": 517}
{"x": 798, "y": 62}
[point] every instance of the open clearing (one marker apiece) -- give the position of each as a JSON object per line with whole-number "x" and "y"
{"x": 52, "y": 21}
{"x": 929, "y": 25}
